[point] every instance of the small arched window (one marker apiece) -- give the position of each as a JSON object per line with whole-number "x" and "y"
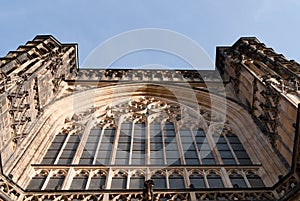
{"x": 137, "y": 181}
{"x": 159, "y": 181}
{"x": 36, "y": 183}
{"x": 197, "y": 180}
{"x": 79, "y": 181}
{"x": 176, "y": 181}
{"x": 98, "y": 181}
{"x": 56, "y": 181}
{"x": 119, "y": 181}
{"x": 237, "y": 180}
{"x": 214, "y": 180}
{"x": 254, "y": 180}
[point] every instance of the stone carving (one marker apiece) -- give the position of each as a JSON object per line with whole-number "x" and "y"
{"x": 148, "y": 190}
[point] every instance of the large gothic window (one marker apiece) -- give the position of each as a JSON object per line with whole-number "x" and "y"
{"x": 122, "y": 148}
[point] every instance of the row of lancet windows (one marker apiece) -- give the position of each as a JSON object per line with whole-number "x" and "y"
{"x": 174, "y": 180}
{"x": 165, "y": 146}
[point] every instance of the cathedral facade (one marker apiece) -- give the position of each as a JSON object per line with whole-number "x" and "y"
{"x": 70, "y": 133}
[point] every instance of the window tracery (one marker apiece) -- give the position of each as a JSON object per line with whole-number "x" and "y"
{"x": 144, "y": 133}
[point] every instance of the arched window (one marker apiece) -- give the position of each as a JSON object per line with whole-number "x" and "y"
{"x": 231, "y": 149}
{"x": 54, "y": 149}
{"x": 197, "y": 180}
{"x": 176, "y": 181}
{"x": 238, "y": 149}
{"x": 88, "y": 154}
{"x": 36, "y": 183}
{"x": 138, "y": 146}
{"x": 171, "y": 146}
{"x": 56, "y": 181}
{"x": 206, "y": 155}
{"x": 79, "y": 181}
{"x": 237, "y": 180}
{"x": 70, "y": 149}
{"x": 156, "y": 144}
{"x": 224, "y": 150}
{"x": 106, "y": 144}
{"x": 214, "y": 180}
{"x": 254, "y": 180}
{"x": 159, "y": 181}
{"x": 127, "y": 142}
{"x": 137, "y": 181}
{"x": 123, "y": 151}
{"x": 98, "y": 181}
{"x": 119, "y": 181}
{"x": 188, "y": 146}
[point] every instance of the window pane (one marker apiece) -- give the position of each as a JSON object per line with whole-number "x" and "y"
{"x": 55, "y": 183}
{"x": 159, "y": 181}
{"x": 176, "y": 182}
{"x": 97, "y": 182}
{"x": 69, "y": 150}
{"x": 197, "y": 181}
{"x": 78, "y": 183}
{"x": 104, "y": 151}
{"x": 118, "y": 183}
{"x": 215, "y": 181}
{"x": 137, "y": 182}
{"x": 255, "y": 180}
{"x": 237, "y": 181}
{"x": 54, "y": 149}
{"x": 36, "y": 183}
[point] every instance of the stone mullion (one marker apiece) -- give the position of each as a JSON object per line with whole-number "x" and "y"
{"x": 115, "y": 144}
{"x": 231, "y": 150}
{"x": 89, "y": 179}
{"x": 82, "y": 143}
{"x": 148, "y": 174}
{"x": 163, "y": 144}
{"x": 131, "y": 143}
{"x": 68, "y": 179}
{"x": 186, "y": 177}
{"x": 167, "y": 179}
{"x": 214, "y": 148}
{"x": 196, "y": 146}
{"x": 147, "y": 143}
{"x": 62, "y": 149}
{"x": 225, "y": 177}
{"x": 47, "y": 180}
{"x": 129, "y": 174}
{"x": 109, "y": 177}
{"x": 98, "y": 147}
{"x": 205, "y": 178}
{"x": 179, "y": 144}
{"x": 246, "y": 179}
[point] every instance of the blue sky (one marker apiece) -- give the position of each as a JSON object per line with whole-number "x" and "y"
{"x": 209, "y": 23}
